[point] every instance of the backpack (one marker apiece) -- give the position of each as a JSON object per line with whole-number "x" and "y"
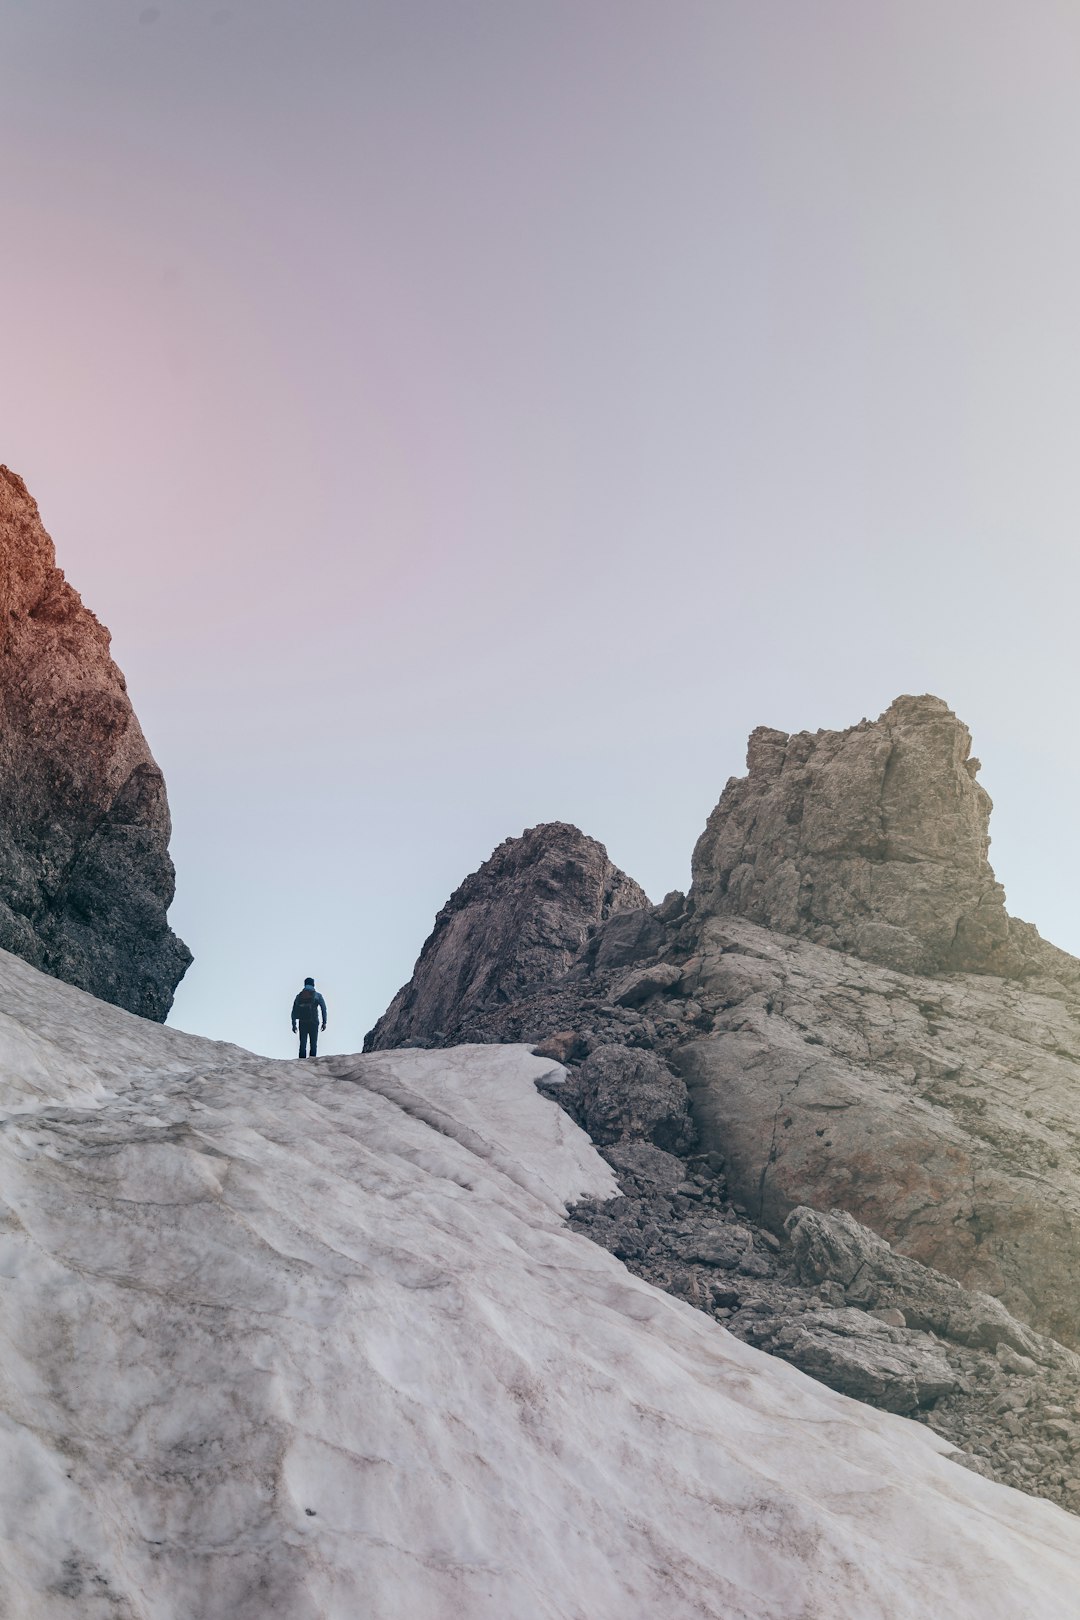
{"x": 305, "y": 1004}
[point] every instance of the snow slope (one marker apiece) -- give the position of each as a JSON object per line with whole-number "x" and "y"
{"x": 312, "y": 1341}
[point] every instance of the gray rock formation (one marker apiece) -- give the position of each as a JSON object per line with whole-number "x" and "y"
{"x": 862, "y": 1028}
{"x": 873, "y": 841}
{"x": 834, "y": 1248}
{"x": 85, "y": 873}
{"x": 944, "y": 1113}
{"x": 518, "y": 922}
{"x": 863, "y": 1357}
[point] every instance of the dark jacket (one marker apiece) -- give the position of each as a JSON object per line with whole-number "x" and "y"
{"x": 308, "y": 1011}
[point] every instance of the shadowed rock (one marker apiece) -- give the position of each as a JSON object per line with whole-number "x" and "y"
{"x": 625, "y": 1095}
{"x": 860, "y": 1356}
{"x": 85, "y": 873}
{"x": 518, "y": 922}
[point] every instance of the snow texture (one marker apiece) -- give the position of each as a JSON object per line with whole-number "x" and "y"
{"x": 312, "y": 1340}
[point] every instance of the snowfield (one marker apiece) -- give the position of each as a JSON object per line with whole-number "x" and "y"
{"x": 312, "y": 1340}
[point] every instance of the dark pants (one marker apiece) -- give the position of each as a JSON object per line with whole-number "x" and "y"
{"x": 309, "y": 1032}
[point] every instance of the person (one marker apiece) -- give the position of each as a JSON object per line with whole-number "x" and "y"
{"x": 305, "y": 1011}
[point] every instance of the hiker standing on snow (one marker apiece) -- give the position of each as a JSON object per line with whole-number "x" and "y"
{"x": 305, "y": 1010}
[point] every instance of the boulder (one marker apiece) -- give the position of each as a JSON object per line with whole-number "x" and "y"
{"x": 627, "y": 937}
{"x": 834, "y": 1247}
{"x": 863, "y": 1357}
{"x": 624, "y": 1093}
{"x": 644, "y": 983}
{"x": 724, "y": 1247}
{"x": 646, "y": 1167}
{"x": 85, "y": 874}
{"x": 562, "y": 1045}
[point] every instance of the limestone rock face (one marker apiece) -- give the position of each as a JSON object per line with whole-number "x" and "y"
{"x": 940, "y": 1112}
{"x": 85, "y": 873}
{"x": 518, "y": 922}
{"x": 872, "y": 840}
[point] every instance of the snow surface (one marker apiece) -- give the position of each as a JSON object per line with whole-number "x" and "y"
{"x": 312, "y": 1340}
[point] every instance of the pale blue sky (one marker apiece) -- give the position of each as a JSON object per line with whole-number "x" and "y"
{"x": 472, "y": 414}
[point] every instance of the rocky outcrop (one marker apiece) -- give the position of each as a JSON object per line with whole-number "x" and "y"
{"x": 517, "y": 923}
{"x": 832, "y": 1299}
{"x": 834, "y": 1248}
{"x": 944, "y": 1113}
{"x": 870, "y": 1360}
{"x": 862, "y": 1029}
{"x": 940, "y": 1110}
{"x": 872, "y": 841}
{"x": 85, "y": 873}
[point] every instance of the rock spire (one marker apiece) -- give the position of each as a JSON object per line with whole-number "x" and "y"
{"x": 873, "y": 841}
{"x": 520, "y": 920}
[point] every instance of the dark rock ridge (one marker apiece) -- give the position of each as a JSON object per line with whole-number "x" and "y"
{"x": 521, "y": 920}
{"x": 85, "y": 873}
{"x": 872, "y": 841}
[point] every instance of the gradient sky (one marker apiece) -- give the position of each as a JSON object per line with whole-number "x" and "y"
{"x": 471, "y": 413}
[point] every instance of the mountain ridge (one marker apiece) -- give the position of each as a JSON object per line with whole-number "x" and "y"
{"x": 937, "y": 1109}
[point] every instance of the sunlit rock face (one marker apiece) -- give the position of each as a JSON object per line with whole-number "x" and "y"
{"x": 519, "y": 921}
{"x": 85, "y": 873}
{"x": 872, "y": 840}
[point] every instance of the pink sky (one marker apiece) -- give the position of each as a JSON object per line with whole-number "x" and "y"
{"x": 466, "y": 415}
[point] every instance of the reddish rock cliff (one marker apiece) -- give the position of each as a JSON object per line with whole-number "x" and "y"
{"x": 85, "y": 873}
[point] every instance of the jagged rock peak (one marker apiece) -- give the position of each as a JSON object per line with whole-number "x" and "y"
{"x": 872, "y": 841}
{"x": 85, "y": 873}
{"x": 520, "y": 920}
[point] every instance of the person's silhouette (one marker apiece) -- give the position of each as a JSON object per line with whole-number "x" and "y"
{"x": 305, "y": 1012}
